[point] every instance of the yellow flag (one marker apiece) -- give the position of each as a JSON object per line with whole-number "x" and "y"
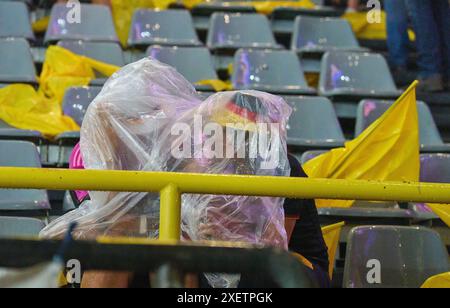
{"x": 443, "y": 211}
{"x": 438, "y": 282}
{"x": 331, "y": 235}
{"x": 388, "y": 150}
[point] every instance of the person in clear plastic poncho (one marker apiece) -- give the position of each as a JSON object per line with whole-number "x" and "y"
{"x": 149, "y": 118}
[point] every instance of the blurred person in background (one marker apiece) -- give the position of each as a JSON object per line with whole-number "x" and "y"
{"x": 431, "y": 22}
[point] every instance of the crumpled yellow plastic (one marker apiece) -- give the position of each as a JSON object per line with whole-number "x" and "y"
{"x": 41, "y": 25}
{"x": 443, "y": 211}
{"x": 23, "y": 107}
{"x": 332, "y": 235}
{"x": 441, "y": 281}
{"x": 388, "y": 150}
{"x": 370, "y": 31}
{"x": 216, "y": 84}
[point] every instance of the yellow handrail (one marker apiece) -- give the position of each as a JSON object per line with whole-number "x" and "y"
{"x": 172, "y": 185}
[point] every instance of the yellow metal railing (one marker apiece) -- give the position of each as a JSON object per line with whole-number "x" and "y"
{"x": 172, "y": 185}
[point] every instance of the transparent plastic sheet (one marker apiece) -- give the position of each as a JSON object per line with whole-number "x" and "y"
{"x": 149, "y": 118}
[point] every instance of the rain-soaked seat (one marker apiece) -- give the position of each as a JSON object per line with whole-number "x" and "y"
{"x": 21, "y": 154}
{"x": 96, "y": 24}
{"x": 431, "y": 141}
{"x": 16, "y": 62}
{"x": 234, "y": 31}
{"x": 15, "y": 20}
{"x": 274, "y": 71}
{"x": 167, "y": 27}
{"x": 393, "y": 257}
{"x": 313, "y": 124}
{"x": 194, "y": 63}
{"x": 13, "y": 227}
{"x": 356, "y": 75}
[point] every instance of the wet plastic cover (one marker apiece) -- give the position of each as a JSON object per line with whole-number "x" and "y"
{"x": 149, "y": 118}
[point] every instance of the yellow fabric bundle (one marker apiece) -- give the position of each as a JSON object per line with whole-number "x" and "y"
{"x": 23, "y": 107}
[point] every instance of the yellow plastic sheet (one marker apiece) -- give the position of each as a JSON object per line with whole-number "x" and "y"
{"x": 388, "y": 150}
{"x": 438, "y": 282}
{"x": 40, "y": 25}
{"x": 370, "y": 31}
{"x": 443, "y": 211}
{"x": 263, "y": 7}
{"x": 216, "y": 84}
{"x": 123, "y": 13}
{"x": 332, "y": 235}
{"x": 23, "y": 107}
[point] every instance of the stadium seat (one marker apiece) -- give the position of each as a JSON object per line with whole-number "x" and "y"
{"x": 108, "y": 52}
{"x": 168, "y": 27}
{"x": 16, "y": 62}
{"x": 275, "y": 71}
{"x": 234, "y": 31}
{"x": 15, "y": 20}
{"x": 194, "y": 63}
{"x": 14, "y": 227}
{"x": 21, "y": 154}
{"x": 370, "y": 110}
{"x": 393, "y": 257}
{"x": 75, "y": 104}
{"x": 319, "y": 35}
{"x": 434, "y": 168}
{"x": 96, "y": 24}
{"x": 313, "y": 124}
{"x": 356, "y": 75}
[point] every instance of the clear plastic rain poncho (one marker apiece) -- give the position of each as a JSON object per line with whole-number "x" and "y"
{"x": 149, "y": 118}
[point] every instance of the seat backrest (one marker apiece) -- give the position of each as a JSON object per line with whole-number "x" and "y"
{"x": 371, "y": 109}
{"x": 16, "y": 61}
{"x": 96, "y": 24}
{"x": 194, "y": 63}
{"x": 313, "y": 118}
{"x": 167, "y": 27}
{"x": 276, "y": 69}
{"x": 77, "y": 100}
{"x": 435, "y": 168}
{"x": 13, "y": 227}
{"x": 240, "y": 31}
{"x": 355, "y": 72}
{"x": 322, "y": 33}
{"x": 307, "y": 156}
{"x": 108, "y": 52}
{"x": 21, "y": 154}
{"x": 390, "y": 256}
{"x": 15, "y": 20}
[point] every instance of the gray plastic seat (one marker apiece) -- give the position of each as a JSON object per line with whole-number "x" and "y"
{"x": 168, "y": 27}
{"x": 434, "y": 168}
{"x": 14, "y": 227}
{"x": 370, "y": 110}
{"x": 15, "y": 20}
{"x": 77, "y": 100}
{"x": 96, "y": 24}
{"x": 234, "y": 31}
{"x": 16, "y": 62}
{"x": 21, "y": 154}
{"x": 275, "y": 71}
{"x": 357, "y": 75}
{"x": 108, "y": 52}
{"x": 404, "y": 257}
{"x": 194, "y": 63}
{"x": 318, "y": 35}
{"x": 313, "y": 123}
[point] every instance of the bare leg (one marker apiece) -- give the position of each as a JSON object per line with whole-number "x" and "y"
{"x": 103, "y": 280}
